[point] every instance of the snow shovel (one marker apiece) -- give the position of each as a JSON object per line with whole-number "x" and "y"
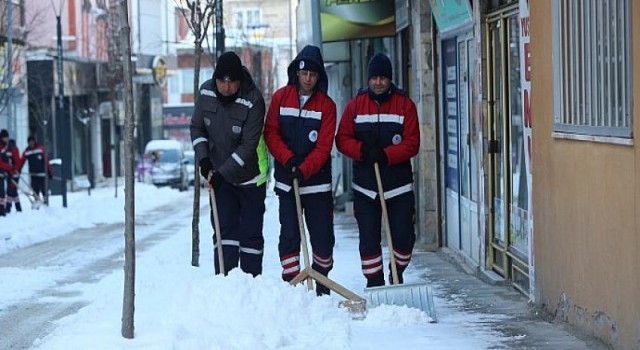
{"x": 31, "y": 196}
{"x": 216, "y": 224}
{"x": 355, "y": 304}
{"x": 417, "y": 296}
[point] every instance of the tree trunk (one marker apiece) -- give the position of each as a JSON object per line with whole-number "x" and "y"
{"x": 195, "y": 223}
{"x": 129, "y": 183}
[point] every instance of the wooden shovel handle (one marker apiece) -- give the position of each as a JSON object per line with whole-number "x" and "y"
{"x": 387, "y": 227}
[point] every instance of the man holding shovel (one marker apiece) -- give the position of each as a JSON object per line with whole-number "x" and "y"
{"x": 379, "y": 130}
{"x": 226, "y": 132}
{"x": 299, "y": 132}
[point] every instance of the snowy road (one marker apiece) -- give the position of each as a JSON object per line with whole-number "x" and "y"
{"x": 42, "y": 281}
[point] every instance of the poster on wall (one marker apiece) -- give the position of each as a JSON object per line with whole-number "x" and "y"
{"x": 346, "y": 20}
{"x": 525, "y": 68}
{"x": 450, "y": 107}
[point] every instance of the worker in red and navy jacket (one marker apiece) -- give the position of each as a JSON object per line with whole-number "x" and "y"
{"x": 10, "y": 155}
{"x": 299, "y": 132}
{"x": 380, "y": 125}
{"x": 6, "y": 169}
{"x": 39, "y": 166}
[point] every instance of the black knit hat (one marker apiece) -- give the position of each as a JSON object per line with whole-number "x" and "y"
{"x": 31, "y": 138}
{"x": 380, "y": 66}
{"x": 4, "y": 133}
{"x": 310, "y": 65}
{"x": 228, "y": 67}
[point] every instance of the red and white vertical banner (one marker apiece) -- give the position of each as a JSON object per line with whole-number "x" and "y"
{"x": 525, "y": 69}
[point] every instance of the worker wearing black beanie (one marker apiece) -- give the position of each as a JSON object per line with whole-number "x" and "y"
{"x": 226, "y": 132}
{"x": 380, "y": 66}
{"x": 379, "y": 131}
{"x": 228, "y": 67}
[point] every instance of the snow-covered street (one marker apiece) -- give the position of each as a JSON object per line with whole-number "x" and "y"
{"x": 66, "y": 292}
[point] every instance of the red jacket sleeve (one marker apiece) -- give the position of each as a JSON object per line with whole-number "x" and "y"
{"x": 346, "y": 140}
{"x": 5, "y": 166}
{"x": 318, "y": 156}
{"x": 16, "y": 156}
{"x": 410, "y": 144}
{"x": 272, "y": 136}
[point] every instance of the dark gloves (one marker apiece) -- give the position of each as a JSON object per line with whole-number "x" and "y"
{"x": 366, "y": 147}
{"x": 216, "y": 180}
{"x": 377, "y": 155}
{"x": 293, "y": 166}
{"x": 50, "y": 176}
{"x": 294, "y": 161}
{"x": 205, "y": 167}
{"x": 296, "y": 174}
{"x": 372, "y": 152}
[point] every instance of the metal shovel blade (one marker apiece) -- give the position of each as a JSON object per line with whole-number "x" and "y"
{"x": 419, "y": 296}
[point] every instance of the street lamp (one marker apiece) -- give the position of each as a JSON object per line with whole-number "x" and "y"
{"x": 58, "y": 115}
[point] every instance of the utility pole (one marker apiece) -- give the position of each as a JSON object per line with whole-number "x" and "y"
{"x": 60, "y": 108}
{"x": 219, "y": 30}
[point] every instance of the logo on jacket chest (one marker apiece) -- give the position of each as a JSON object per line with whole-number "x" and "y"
{"x": 397, "y": 138}
{"x": 313, "y": 136}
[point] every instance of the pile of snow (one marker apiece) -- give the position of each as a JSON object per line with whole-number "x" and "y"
{"x": 181, "y": 307}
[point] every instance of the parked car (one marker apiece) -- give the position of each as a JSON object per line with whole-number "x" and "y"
{"x": 191, "y": 168}
{"x": 169, "y": 164}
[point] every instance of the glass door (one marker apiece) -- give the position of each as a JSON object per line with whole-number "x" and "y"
{"x": 508, "y": 184}
{"x": 451, "y": 141}
{"x": 497, "y": 134}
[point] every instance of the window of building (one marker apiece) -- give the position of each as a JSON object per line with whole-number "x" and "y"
{"x": 183, "y": 83}
{"x": 187, "y": 79}
{"x": 244, "y": 20}
{"x": 592, "y": 67}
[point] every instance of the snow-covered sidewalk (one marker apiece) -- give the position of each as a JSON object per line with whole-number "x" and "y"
{"x": 20, "y": 229}
{"x": 182, "y": 307}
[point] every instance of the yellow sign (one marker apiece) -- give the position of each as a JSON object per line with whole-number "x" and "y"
{"x": 159, "y": 68}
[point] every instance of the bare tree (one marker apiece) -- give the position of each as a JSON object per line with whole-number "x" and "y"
{"x": 22, "y": 25}
{"x": 128, "y": 304}
{"x": 197, "y": 14}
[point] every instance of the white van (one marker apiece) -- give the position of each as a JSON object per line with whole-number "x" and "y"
{"x": 169, "y": 164}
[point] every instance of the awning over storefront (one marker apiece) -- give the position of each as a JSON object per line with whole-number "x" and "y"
{"x": 347, "y": 20}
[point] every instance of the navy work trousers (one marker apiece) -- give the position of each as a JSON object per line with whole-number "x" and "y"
{"x": 37, "y": 184}
{"x": 241, "y": 215}
{"x": 318, "y": 215}
{"x": 368, "y": 213}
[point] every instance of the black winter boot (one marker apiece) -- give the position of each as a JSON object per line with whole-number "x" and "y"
{"x": 18, "y": 207}
{"x": 375, "y": 281}
{"x": 400, "y": 280}
{"x": 8, "y": 210}
{"x": 322, "y": 290}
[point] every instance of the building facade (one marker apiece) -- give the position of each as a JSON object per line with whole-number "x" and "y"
{"x": 585, "y": 199}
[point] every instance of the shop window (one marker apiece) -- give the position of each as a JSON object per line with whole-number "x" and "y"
{"x": 592, "y": 68}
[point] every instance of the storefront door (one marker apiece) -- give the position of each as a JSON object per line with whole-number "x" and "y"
{"x": 508, "y": 246}
{"x": 460, "y": 166}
